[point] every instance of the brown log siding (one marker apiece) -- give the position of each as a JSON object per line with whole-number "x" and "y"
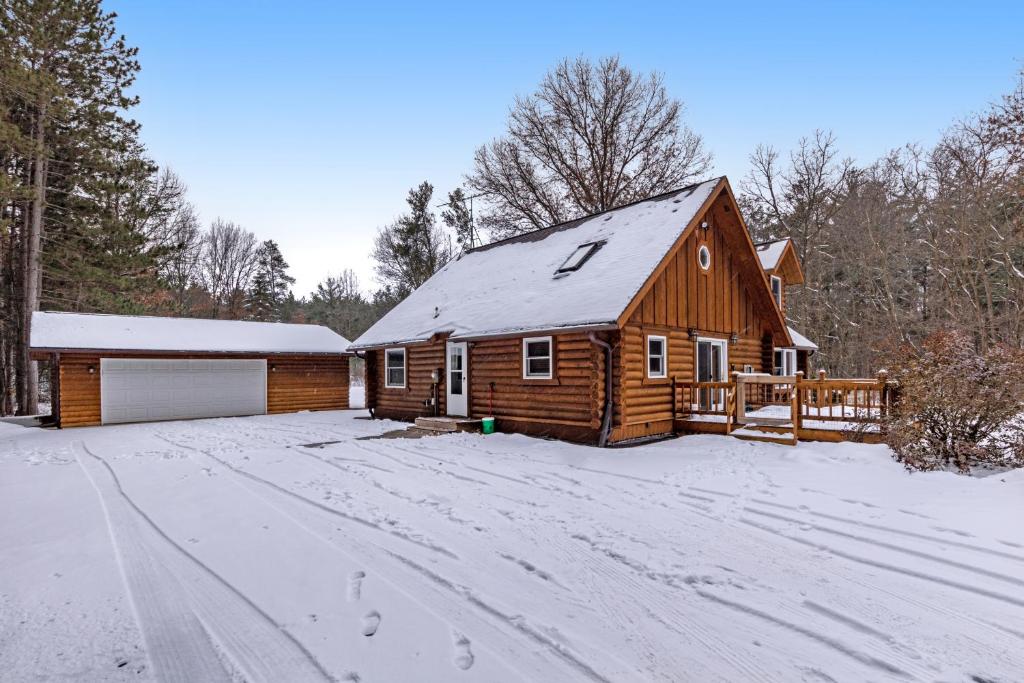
{"x": 409, "y": 402}
{"x": 716, "y": 303}
{"x": 297, "y": 383}
{"x": 568, "y": 405}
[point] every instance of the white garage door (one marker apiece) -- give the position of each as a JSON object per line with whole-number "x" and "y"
{"x": 142, "y": 390}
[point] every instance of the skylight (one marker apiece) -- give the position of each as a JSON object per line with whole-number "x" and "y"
{"x": 579, "y": 257}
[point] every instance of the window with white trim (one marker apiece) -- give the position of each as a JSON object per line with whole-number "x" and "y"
{"x": 657, "y": 356}
{"x": 785, "y": 362}
{"x": 537, "y": 358}
{"x": 777, "y": 290}
{"x": 704, "y": 257}
{"x": 394, "y": 368}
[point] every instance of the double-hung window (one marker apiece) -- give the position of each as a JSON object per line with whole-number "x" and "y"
{"x": 394, "y": 368}
{"x": 537, "y": 358}
{"x": 657, "y": 356}
{"x": 777, "y": 290}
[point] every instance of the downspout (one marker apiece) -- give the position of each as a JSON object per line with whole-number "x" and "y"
{"x": 606, "y": 423}
{"x": 362, "y": 354}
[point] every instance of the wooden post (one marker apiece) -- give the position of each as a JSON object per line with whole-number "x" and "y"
{"x": 741, "y": 399}
{"x": 798, "y": 404}
{"x": 883, "y": 393}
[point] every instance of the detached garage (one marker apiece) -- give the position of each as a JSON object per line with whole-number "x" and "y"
{"x": 108, "y": 369}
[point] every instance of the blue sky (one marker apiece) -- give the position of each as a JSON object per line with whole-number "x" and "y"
{"x": 307, "y": 122}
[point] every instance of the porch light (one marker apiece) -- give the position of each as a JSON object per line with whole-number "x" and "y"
{"x": 734, "y": 339}
{"x": 92, "y": 369}
{"x": 705, "y": 226}
{"x": 273, "y": 368}
{"x": 692, "y": 332}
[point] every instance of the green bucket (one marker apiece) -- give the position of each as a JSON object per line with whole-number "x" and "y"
{"x": 488, "y": 425}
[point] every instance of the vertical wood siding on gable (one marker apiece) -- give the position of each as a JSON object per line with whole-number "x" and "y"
{"x": 716, "y": 303}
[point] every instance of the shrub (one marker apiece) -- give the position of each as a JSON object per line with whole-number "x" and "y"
{"x": 956, "y": 407}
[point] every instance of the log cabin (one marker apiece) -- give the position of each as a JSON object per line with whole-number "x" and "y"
{"x": 580, "y": 330}
{"x": 108, "y": 369}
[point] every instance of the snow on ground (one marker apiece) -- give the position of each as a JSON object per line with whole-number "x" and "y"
{"x": 225, "y": 549}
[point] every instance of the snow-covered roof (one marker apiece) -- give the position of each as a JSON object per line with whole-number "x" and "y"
{"x": 801, "y": 342}
{"x": 771, "y": 252}
{"x": 511, "y": 286}
{"x": 52, "y": 330}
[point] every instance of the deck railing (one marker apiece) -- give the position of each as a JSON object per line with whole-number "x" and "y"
{"x": 817, "y": 403}
{"x": 716, "y": 399}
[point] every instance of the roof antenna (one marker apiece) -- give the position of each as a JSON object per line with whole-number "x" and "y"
{"x": 474, "y": 236}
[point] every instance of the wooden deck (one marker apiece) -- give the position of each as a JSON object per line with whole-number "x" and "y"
{"x": 778, "y": 409}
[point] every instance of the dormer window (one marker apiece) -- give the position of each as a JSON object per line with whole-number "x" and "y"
{"x": 777, "y": 290}
{"x": 579, "y": 257}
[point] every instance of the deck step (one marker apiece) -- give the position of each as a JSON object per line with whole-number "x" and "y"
{"x": 748, "y": 434}
{"x": 449, "y": 424}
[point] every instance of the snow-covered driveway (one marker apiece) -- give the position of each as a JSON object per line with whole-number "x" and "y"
{"x": 220, "y": 549}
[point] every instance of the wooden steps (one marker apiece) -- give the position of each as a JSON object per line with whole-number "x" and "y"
{"x": 770, "y": 433}
{"x": 444, "y": 423}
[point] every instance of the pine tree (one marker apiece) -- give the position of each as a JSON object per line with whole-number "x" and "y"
{"x": 338, "y": 304}
{"x": 64, "y": 77}
{"x": 412, "y": 248}
{"x": 459, "y": 218}
{"x": 271, "y": 285}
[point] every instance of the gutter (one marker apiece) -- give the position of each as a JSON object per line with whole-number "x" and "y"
{"x": 606, "y": 422}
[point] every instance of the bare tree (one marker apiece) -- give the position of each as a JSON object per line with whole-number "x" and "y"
{"x": 592, "y": 137}
{"x": 228, "y": 264}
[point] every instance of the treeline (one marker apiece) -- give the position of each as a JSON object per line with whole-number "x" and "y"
{"x": 89, "y": 223}
{"x": 920, "y": 241}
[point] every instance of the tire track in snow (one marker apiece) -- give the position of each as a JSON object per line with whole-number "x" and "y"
{"x": 317, "y": 504}
{"x": 896, "y": 548}
{"x": 893, "y": 530}
{"x": 515, "y": 621}
{"x": 187, "y": 610}
{"x": 367, "y": 549}
{"x": 838, "y": 646}
{"x": 890, "y": 567}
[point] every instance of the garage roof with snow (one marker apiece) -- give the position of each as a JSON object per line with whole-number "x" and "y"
{"x": 579, "y": 274}
{"x": 91, "y": 331}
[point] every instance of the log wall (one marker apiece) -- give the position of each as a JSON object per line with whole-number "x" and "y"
{"x": 409, "y": 402}
{"x": 569, "y": 405}
{"x": 716, "y": 303}
{"x": 296, "y": 383}
{"x": 573, "y": 397}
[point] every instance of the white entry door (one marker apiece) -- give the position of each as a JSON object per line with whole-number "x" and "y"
{"x": 457, "y": 386}
{"x": 145, "y": 390}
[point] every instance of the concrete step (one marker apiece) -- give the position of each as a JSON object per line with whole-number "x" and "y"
{"x": 449, "y": 424}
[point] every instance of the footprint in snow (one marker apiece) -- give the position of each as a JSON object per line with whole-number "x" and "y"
{"x": 355, "y": 585}
{"x": 371, "y": 622}
{"x": 463, "y": 654}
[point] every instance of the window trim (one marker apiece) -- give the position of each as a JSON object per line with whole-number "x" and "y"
{"x": 787, "y": 352}
{"x": 664, "y": 356}
{"x": 704, "y": 249}
{"x": 551, "y": 357}
{"x": 388, "y": 367}
{"x": 777, "y": 296}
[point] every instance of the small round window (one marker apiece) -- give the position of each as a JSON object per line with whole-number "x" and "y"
{"x": 704, "y": 257}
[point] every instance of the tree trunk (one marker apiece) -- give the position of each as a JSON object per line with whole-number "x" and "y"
{"x": 29, "y": 402}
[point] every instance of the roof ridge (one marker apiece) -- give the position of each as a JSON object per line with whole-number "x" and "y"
{"x": 553, "y": 226}
{"x": 171, "y": 317}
